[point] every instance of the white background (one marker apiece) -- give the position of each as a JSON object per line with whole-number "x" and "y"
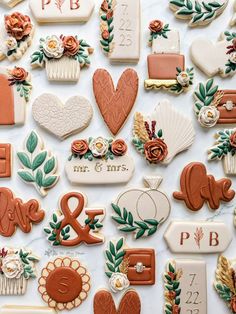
{"x": 151, "y": 296}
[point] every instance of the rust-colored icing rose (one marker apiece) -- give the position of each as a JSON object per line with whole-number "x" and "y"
{"x": 233, "y": 140}
{"x": 79, "y": 147}
{"x": 233, "y": 304}
{"x": 71, "y": 45}
{"x": 104, "y": 6}
{"x": 172, "y": 276}
{"x": 19, "y": 74}
{"x": 105, "y": 34}
{"x": 171, "y": 295}
{"x": 119, "y": 147}
{"x": 109, "y": 14}
{"x": 156, "y": 26}
{"x": 155, "y": 150}
{"x": 18, "y": 25}
{"x": 175, "y": 309}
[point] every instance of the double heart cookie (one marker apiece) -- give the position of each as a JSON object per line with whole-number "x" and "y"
{"x": 62, "y": 120}
{"x": 103, "y": 303}
{"x": 115, "y": 104}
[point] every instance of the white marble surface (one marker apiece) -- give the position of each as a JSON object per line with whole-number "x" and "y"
{"x": 152, "y": 296}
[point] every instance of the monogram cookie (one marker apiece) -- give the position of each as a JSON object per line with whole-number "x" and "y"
{"x": 64, "y": 283}
{"x": 73, "y": 223}
{"x": 16, "y": 37}
{"x": 5, "y": 160}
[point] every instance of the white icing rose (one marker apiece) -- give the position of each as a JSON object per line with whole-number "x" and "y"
{"x": 208, "y": 116}
{"x": 119, "y": 282}
{"x": 12, "y": 266}
{"x": 53, "y": 47}
{"x": 10, "y": 43}
{"x": 183, "y": 79}
{"x": 99, "y": 146}
{"x": 232, "y": 57}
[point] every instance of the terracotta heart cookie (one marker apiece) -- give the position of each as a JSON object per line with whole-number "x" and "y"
{"x": 62, "y": 120}
{"x": 103, "y": 303}
{"x": 115, "y": 104}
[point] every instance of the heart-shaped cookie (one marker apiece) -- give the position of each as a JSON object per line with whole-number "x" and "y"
{"x": 103, "y": 303}
{"x": 115, "y": 104}
{"x": 62, "y": 120}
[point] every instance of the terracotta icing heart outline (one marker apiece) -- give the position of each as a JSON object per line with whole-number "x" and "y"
{"x": 115, "y": 105}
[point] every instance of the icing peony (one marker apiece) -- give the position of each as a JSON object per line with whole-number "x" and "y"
{"x": 12, "y": 266}
{"x": 19, "y": 74}
{"x": 79, "y": 147}
{"x": 104, "y": 6}
{"x": 10, "y": 43}
{"x": 119, "y": 282}
{"x": 156, "y": 26}
{"x": 71, "y": 45}
{"x": 183, "y": 79}
{"x": 155, "y": 150}
{"x": 232, "y": 140}
{"x": 105, "y": 34}
{"x": 232, "y": 57}
{"x": 99, "y": 147}
{"x": 53, "y": 47}
{"x": 208, "y": 116}
{"x": 18, "y": 25}
{"x": 119, "y": 148}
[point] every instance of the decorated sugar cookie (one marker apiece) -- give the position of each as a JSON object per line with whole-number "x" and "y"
{"x": 199, "y": 12}
{"x": 185, "y": 280}
{"x": 15, "y": 213}
{"x": 61, "y": 11}
{"x": 225, "y": 150}
{"x": 5, "y": 160}
{"x": 64, "y": 283}
{"x": 26, "y": 309}
{"x": 62, "y": 120}
{"x": 198, "y": 188}
{"x": 74, "y": 224}
{"x": 233, "y": 21}
{"x": 16, "y": 37}
{"x": 225, "y": 282}
{"x": 166, "y": 66}
{"x": 215, "y": 58}
{"x": 141, "y": 211}
{"x": 120, "y": 30}
{"x": 160, "y": 136}
{"x": 125, "y": 266}
{"x": 15, "y": 89}
{"x": 115, "y": 104}
{"x": 62, "y": 57}
{"x": 103, "y": 303}
{"x": 197, "y": 237}
{"x": 17, "y": 267}
{"x": 99, "y": 161}
{"x": 214, "y": 106}
{"x": 39, "y": 166}
{"x": 10, "y": 3}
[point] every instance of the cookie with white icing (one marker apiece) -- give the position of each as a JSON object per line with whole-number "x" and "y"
{"x": 10, "y": 3}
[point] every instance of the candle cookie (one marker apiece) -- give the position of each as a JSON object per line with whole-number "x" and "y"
{"x": 16, "y": 37}
{"x": 14, "y": 213}
{"x": 198, "y": 188}
{"x": 61, "y": 11}
{"x": 74, "y": 224}
{"x": 215, "y": 58}
{"x": 39, "y": 166}
{"x": 199, "y": 12}
{"x": 120, "y": 30}
{"x": 17, "y": 267}
{"x": 99, "y": 161}
{"x": 115, "y": 104}
{"x": 62, "y": 120}
{"x": 166, "y": 66}
{"x": 159, "y": 137}
{"x": 63, "y": 57}
{"x": 5, "y": 160}
{"x": 64, "y": 283}
{"x": 141, "y": 211}
{"x": 125, "y": 266}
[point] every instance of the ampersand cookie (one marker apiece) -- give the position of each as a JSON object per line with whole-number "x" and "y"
{"x": 197, "y": 188}
{"x": 141, "y": 211}
{"x": 16, "y": 37}
{"x": 99, "y": 161}
{"x": 64, "y": 283}
{"x": 14, "y": 213}
{"x": 74, "y": 224}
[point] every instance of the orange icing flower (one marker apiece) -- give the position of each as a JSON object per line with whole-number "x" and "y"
{"x": 79, "y": 147}
{"x": 156, "y": 26}
{"x": 19, "y": 74}
{"x": 71, "y": 45}
{"x": 155, "y": 150}
{"x": 119, "y": 148}
{"x": 18, "y": 25}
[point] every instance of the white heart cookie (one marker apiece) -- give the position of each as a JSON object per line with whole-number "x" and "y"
{"x": 209, "y": 57}
{"x": 62, "y": 120}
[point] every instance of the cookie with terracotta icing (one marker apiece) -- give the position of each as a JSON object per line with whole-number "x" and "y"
{"x": 16, "y": 36}
{"x": 199, "y": 12}
{"x": 64, "y": 283}
{"x": 5, "y": 160}
{"x": 120, "y": 30}
{"x": 38, "y": 165}
{"x": 62, "y": 57}
{"x": 198, "y": 188}
{"x": 73, "y": 224}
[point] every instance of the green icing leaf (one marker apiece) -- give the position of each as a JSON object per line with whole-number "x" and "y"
{"x": 49, "y": 165}
{"x": 32, "y": 142}
{"x": 39, "y": 160}
{"x": 26, "y": 176}
{"x": 48, "y": 182}
{"x": 24, "y": 158}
